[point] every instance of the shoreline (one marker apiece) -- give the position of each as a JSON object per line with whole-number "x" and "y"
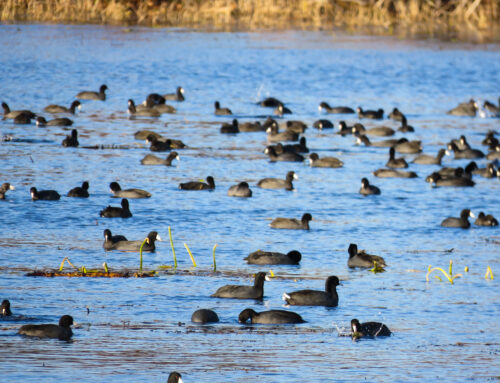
{"x": 469, "y": 21}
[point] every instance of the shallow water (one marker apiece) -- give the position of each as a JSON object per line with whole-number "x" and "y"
{"x": 139, "y": 329}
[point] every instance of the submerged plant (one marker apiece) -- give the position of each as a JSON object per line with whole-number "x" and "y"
{"x": 448, "y": 276}
{"x": 377, "y": 268}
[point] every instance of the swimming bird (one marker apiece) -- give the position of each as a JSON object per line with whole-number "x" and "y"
{"x": 301, "y": 147}
{"x": 296, "y": 126}
{"x": 276, "y": 183}
{"x": 117, "y": 192}
{"x": 359, "y": 258}
{"x": 117, "y": 212}
{"x": 125, "y": 245}
{"x": 151, "y": 159}
{"x": 281, "y": 110}
{"x": 251, "y": 127}
{"x": 490, "y": 139}
{"x": 396, "y": 163}
{"x": 436, "y": 179}
{"x": 284, "y": 156}
{"x": 157, "y": 145}
{"x": 174, "y": 377}
{"x": 270, "y": 317}
{"x": 274, "y": 135}
{"x": 367, "y": 189}
{"x": 270, "y": 102}
{"x": 61, "y": 331}
{"x": 396, "y": 115}
{"x": 243, "y": 292}
{"x": 426, "y": 159}
{"x": 177, "y": 96}
{"x": 53, "y": 108}
{"x": 485, "y": 220}
{"x": 230, "y": 128}
{"x": 71, "y": 141}
{"x": 408, "y": 147}
{"x": 61, "y": 121}
{"x": 323, "y": 124}
{"x": 462, "y": 222}
{"x": 394, "y": 173}
{"x": 328, "y": 298}
{"x": 4, "y": 188}
{"x": 380, "y": 131}
{"x": 464, "y": 109}
{"x": 221, "y": 111}
{"x": 81, "y": 192}
{"x": 368, "y": 329}
{"x": 335, "y": 109}
{"x": 494, "y": 154}
{"x": 465, "y": 153}
{"x": 260, "y": 257}
{"x": 204, "y": 316}
{"x": 44, "y": 195}
{"x": 143, "y": 112}
{"x": 363, "y": 139}
{"x": 292, "y": 223}
{"x": 111, "y": 240}
{"x": 344, "y": 129}
{"x": 240, "y": 190}
{"x": 325, "y": 162}
{"x": 199, "y": 185}
{"x": 373, "y": 114}
{"x": 405, "y": 128}
{"x": 89, "y": 95}
{"x": 5, "y": 308}
{"x": 12, "y": 114}
{"x": 150, "y": 106}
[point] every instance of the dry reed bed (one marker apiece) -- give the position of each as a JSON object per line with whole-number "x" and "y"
{"x": 427, "y": 16}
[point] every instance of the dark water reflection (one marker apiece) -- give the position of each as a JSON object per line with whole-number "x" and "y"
{"x": 139, "y": 329}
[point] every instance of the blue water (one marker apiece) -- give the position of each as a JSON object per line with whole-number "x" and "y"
{"x": 139, "y": 329}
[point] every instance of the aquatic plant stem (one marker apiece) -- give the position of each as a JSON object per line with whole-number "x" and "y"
{"x": 213, "y": 254}
{"x": 140, "y": 253}
{"x": 190, "y": 254}
{"x": 172, "y": 245}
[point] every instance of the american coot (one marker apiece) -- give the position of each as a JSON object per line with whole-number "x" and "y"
{"x": 62, "y": 121}
{"x": 52, "y": 108}
{"x": 485, "y": 220}
{"x": 292, "y": 223}
{"x": 198, "y": 185}
{"x": 396, "y": 163}
{"x": 494, "y": 154}
{"x": 323, "y": 124}
{"x": 408, "y": 147}
{"x": 274, "y": 135}
{"x": 117, "y": 212}
{"x": 285, "y": 156}
{"x": 301, "y": 147}
{"x": 490, "y": 139}
{"x": 461, "y": 143}
{"x": 4, "y": 188}
{"x": 110, "y": 240}
{"x": 393, "y": 173}
{"x": 61, "y": 331}
{"x": 367, "y": 189}
{"x": 276, "y": 183}
{"x": 325, "y": 162}
{"x": 436, "y": 179}
{"x": 151, "y": 159}
{"x": 5, "y": 308}
{"x": 368, "y": 329}
{"x": 143, "y": 134}
{"x": 177, "y": 96}
{"x": 71, "y": 141}
{"x": 158, "y": 145}
{"x": 492, "y": 108}
{"x": 204, "y": 316}
{"x": 143, "y": 112}
{"x": 149, "y": 106}
{"x": 11, "y": 114}
{"x": 124, "y": 245}
{"x": 489, "y": 171}
{"x": 240, "y": 190}
{"x": 426, "y": 159}
{"x": 363, "y": 139}
{"x": 462, "y": 222}
{"x": 44, "y": 195}
{"x": 359, "y": 258}
{"x": 329, "y": 297}
{"x": 270, "y": 317}
{"x": 81, "y": 192}
{"x": 174, "y": 377}
{"x": 221, "y": 111}
{"x": 231, "y": 128}
{"x": 380, "y": 131}
{"x": 89, "y": 95}
{"x": 281, "y": 110}
{"x": 396, "y": 115}
{"x": 464, "y": 109}
{"x": 344, "y": 129}
{"x": 260, "y": 257}
{"x": 405, "y": 128}
{"x": 22, "y": 119}
{"x": 243, "y": 292}
{"x": 335, "y": 109}
{"x": 296, "y": 126}
{"x": 465, "y": 153}
{"x": 270, "y": 102}
{"x": 117, "y": 192}
{"x": 373, "y": 114}
{"x": 251, "y": 127}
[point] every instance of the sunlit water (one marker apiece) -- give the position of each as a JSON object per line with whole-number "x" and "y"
{"x": 139, "y": 329}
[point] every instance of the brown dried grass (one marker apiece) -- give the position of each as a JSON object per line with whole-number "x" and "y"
{"x": 427, "y": 16}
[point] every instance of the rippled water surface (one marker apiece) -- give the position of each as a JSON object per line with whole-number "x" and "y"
{"x": 139, "y": 329}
